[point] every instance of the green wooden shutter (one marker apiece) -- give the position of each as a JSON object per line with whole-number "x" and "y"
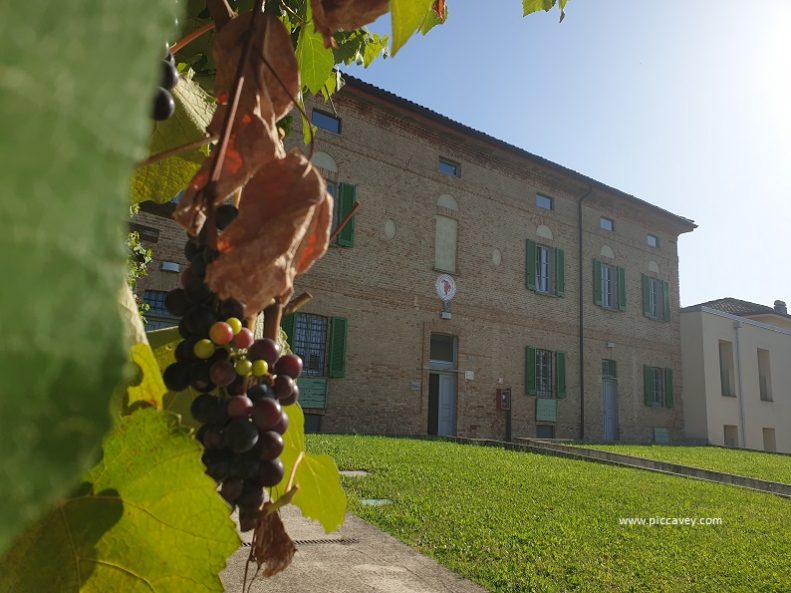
{"x": 288, "y": 323}
{"x": 621, "y": 289}
{"x": 647, "y": 382}
{"x": 530, "y": 265}
{"x": 337, "y": 356}
{"x": 530, "y": 370}
{"x": 597, "y": 288}
{"x": 560, "y": 276}
{"x": 560, "y": 385}
{"x": 347, "y": 195}
{"x": 668, "y": 388}
{"x": 666, "y": 300}
{"x": 646, "y": 300}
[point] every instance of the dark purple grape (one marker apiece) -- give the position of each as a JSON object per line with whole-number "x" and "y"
{"x": 239, "y": 406}
{"x": 237, "y": 387}
{"x": 191, "y": 251}
{"x": 222, "y": 373}
{"x": 199, "y": 319}
{"x": 197, "y": 291}
{"x": 209, "y": 255}
{"x": 252, "y": 494}
{"x": 264, "y": 349}
{"x": 198, "y": 268}
{"x": 177, "y": 376}
{"x": 202, "y": 407}
{"x": 200, "y": 380}
{"x": 232, "y": 489}
{"x": 266, "y": 413}
{"x": 270, "y": 472}
{"x": 244, "y": 465}
{"x": 284, "y": 386}
{"x": 163, "y": 106}
{"x": 231, "y": 308}
{"x": 290, "y": 365}
{"x": 219, "y": 354}
{"x": 170, "y": 76}
{"x": 176, "y": 302}
{"x": 270, "y": 445}
{"x": 240, "y": 435}
{"x": 183, "y": 331}
{"x": 213, "y": 436}
{"x": 184, "y": 351}
{"x": 248, "y": 517}
{"x": 291, "y": 399}
{"x": 282, "y": 425}
{"x": 218, "y": 463}
{"x": 259, "y": 392}
{"x": 225, "y": 215}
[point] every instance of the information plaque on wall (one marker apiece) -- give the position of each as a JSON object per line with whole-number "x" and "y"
{"x": 546, "y": 410}
{"x": 312, "y": 393}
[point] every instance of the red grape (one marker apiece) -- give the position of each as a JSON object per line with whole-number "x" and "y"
{"x": 222, "y": 373}
{"x": 270, "y": 472}
{"x": 291, "y": 399}
{"x": 270, "y": 445}
{"x": 290, "y": 365}
{"x": 264, "y": 349}
{"x": 266, "y": 413}
{"x": 244, "y": 339}
{"x": 239, "y": 406}
{"x": 282, "y": 425}
{"x": 284, "y": 386}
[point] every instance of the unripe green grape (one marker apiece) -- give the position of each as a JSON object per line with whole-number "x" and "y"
{"x": 260, "y": 368}
{"x": 235, "y": 324}
{"x": 243, "y": 367}
{"x": 203, "y": 349}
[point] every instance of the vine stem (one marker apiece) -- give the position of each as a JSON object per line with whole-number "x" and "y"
{"x": 160, "y": 156}
{"x": 297, "y": 303}
{"x": 272, "y": 316}
{"x": 190, "y": 37}
{"x": 344, "y": 222}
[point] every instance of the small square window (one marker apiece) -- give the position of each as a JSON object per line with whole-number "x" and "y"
{"x": 325, "y": 121}
{"x": 608, "y": 224}
{"x": 449, "y": 167}
{"x": 544, "y": 202}
{"x": 652, "y": 240}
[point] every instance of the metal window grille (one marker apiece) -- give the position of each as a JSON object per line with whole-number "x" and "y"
{"x": 544, "y": 268}
{"x": 658, "y": 386}
{"x": 157, "y": 315}
{"x": 609, "y": 282}
{"x": 544, "y": 374}
{"x": 310, "y": 343}
{"x": 608, "y": 369}
{"x": 655, "y": 305}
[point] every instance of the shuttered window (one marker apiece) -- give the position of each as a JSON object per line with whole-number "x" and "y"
{"x": 545, "y": 269}
{"x": 344, "y": 202}
{"x": 609, "y": 286}
{"x": 545, "y": 373}
{"x": 657, "y": 386}
{"x": 319, "y": 341}
{"x": 656, "y": 298}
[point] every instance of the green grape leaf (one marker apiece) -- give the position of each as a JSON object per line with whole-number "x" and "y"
{"x": 320, "y": 495}
{"x": 72, "y": 126}
{"x": 375, "y": 46}
{"x": 315, "y": 60}
{"x": 431, "y": 20}
{"x": 146, "y": 519}
{"x": 407, "y": 16}
{"x": 161, "y": 181}
{"x": 531, "y": 6}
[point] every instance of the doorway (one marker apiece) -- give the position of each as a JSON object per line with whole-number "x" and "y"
{"x": 609, "y": 401}
{"x": 442, "y": 385}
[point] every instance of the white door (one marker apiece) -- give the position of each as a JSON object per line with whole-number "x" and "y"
{"x": 447, "y": 405}
{"x": 610, "y": 407}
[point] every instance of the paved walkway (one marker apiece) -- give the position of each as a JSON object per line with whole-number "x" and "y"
{"x": 369, "y": 561}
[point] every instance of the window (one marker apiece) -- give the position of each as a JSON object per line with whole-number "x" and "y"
{"x": 656, "y": 298}
{"x": 545, "y": 431}
{"x": 320, "y": 342}
{"x": 344, "y": 198}
{"x": 325, "y": 121}
{"x": 731, "y": 435}
{"x": 609, "y": 286}
{"x": 652, "y": 240}
{"x": 544, "y": 269}
{"x": 449, "y": 167}
{"x": 609, "y": 369}
{"x": 445, "y": 244}
{"x": 764, "y": 375}
{"x": 769, "y": 439}
{"x": 544, "y": 202}
{"x": 545, "y": 373}
{"x": 157, "y": 315}
{"x": 608, "y": 224}
{"x": 726, "y": 368}
{"x": 442, "y": 348}
{"x": 657, "y": 386}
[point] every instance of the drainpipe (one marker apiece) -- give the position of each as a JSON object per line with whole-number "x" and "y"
{"x": 737, "y": 325}
{"x": 581, "y": 303}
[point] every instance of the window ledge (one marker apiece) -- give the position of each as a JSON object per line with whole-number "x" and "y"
{"x": 729, "y": 395}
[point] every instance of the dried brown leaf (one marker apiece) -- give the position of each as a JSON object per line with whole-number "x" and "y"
{"x": 265, "y": 247}
{"x": 220, "y": 12}
{"x": 272, "y": 548}
{"x": 330, "y": 16}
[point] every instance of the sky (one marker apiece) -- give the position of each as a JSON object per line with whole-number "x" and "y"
{"x": 686, "y": 105}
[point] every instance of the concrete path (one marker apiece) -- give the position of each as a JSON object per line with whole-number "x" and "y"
{"x": 368, "y": 561}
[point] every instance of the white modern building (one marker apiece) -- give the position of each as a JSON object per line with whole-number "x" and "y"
{"x": 736, "y": 362}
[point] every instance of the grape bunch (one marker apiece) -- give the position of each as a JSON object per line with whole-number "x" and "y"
{"x": 164, "y": 105}
{"x": 243, "y": 384}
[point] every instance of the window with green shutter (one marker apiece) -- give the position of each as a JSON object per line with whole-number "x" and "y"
{"x": 560, "y": 275}
{"x": 545, "y": 269}
{"x": 288, "y": 324}
{"x": 545, "y": 373}
{"x": 530, "y": 264}
{"x": 347, "y": 196}
{"x": 609, "y": 286}
{"x": 530, "y": 370}
{"x": 621, "y": 289}
{"x": 560, "y": 385}
{"x": 668, "y": 388}
{"x": 656, "y": 298}
{"x": 657, "y": 386}
{"x": 666, "y": 301}
{"x": 337, "y": 354}
{"x": 597, "y": 286}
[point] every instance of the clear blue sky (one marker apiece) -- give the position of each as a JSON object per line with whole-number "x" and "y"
{"x": 684, "y": 104}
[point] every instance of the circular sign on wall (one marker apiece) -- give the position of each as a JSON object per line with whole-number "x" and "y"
{"x": 446, "y": 287}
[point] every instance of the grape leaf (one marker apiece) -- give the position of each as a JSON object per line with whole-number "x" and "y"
{"x": 315, "y": 60}
{"x": 407, "y": 16}
{"x": 320, "y": 495}
{"x": 433, "y": 18}
{"x": 161, "y": 181}
{"x": 146, "y": 519}
{"x": 531, "y": 6}
{"x": 73, "y": 125}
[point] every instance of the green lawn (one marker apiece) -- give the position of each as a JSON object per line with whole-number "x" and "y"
{"x": 520, "y": 522}
{"x": 754, "y": 464}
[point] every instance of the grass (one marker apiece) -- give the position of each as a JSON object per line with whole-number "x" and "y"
{"x": 753, "y": 464}
{"x": 519, "y": 522}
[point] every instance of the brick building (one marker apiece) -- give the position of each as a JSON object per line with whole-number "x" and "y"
{"x": 564, "y": 286}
